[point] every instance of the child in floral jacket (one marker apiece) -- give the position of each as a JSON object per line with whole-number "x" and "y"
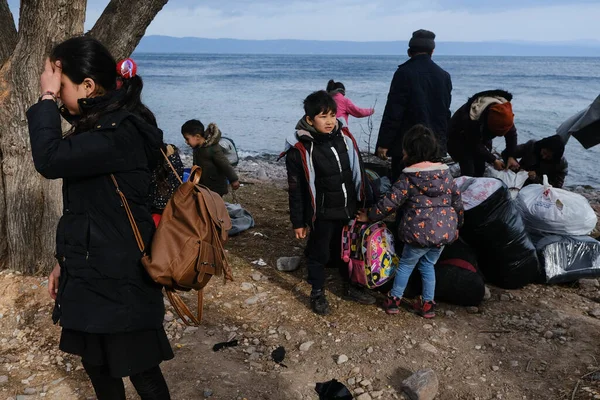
{"x": 432, "y": 212}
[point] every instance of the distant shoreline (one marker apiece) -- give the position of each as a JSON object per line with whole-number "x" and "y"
{"x": 155, "y": 44}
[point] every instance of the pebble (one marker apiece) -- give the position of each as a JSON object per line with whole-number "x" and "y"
{"x": 473, "y": 310}
{"x": 359, "y": 391}
{"x": 450, "y": 313}
{"x": 514, "y": 363}
{"x": 288, "y": 264}
{"x": 377, "y": 394}
{"x": 342, "y": 359}
{"x": 427, "y": 326}
{"x": 504, "y": 297}
{"x": 495, "y": 368}
{"x": 255, "y": 299}
{"x": 595, "y": 313}
{"x": 364, "y": 396}
{"x": 30, "y": 391}
{"x": 370, "y": 350}
{"x": 351, "y": 381}
{"x": 306, "y": 346}
{"x": 257, "y": 276}
{"x": 365, "y": 383}
{"x": 3, "y": 379}
{"x": 548, "y": 335}
{"x": 246, "y": 286}
{"x": 428, "y": 347}
{"x": 207, "y": 393}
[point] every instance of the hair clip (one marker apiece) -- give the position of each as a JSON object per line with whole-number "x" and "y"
{"x": 126, "y": 68}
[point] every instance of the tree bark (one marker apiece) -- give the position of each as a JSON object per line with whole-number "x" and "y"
{"x": 123, "y": 24}
{"x": 29, "y": 204}
{"x": 8, "y": 32}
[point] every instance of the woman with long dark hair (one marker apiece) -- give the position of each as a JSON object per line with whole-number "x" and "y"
{"x": 110, "y": 310}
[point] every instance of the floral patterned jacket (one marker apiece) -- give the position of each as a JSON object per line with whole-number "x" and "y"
{"x": 430, "y": 203}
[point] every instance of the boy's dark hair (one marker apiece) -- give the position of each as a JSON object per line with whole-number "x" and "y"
{"x": 420, "y": 145}
{"x": 192, "y": 127}
{"x": 319, "y": 102}
{"x": 85, "y": 57}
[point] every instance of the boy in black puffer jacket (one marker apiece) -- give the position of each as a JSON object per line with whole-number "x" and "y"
{"x": 325, "y": 181}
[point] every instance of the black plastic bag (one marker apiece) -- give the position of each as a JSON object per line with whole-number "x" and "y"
{"x": 506, "y": 256}
{"x": 457, "y": 279}
{"x": 333, "y": 390}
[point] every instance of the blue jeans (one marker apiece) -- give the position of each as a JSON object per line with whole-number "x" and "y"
{"x": 425, "y": 259}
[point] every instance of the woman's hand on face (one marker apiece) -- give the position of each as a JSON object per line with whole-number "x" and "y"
{"x": 53, "y": 281}
{"x": 50, "y": 78}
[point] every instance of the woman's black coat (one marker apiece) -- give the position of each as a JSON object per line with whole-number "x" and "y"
{"x": 103, "y": 286}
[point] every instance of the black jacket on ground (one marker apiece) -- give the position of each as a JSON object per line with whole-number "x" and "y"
{"x": 336, "y": 196}
{"x": 420, "y": 93}
{"x": 103, "y": 286}
{"x": 468, "y": 138}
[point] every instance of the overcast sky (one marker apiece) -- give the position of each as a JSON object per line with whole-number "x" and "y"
{"x": 364, "y": 20}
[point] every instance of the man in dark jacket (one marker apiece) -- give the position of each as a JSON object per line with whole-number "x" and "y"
{"x": 473, "y": 126}
{"x": 420, "y": 93}
{"x": 325, "y": 185}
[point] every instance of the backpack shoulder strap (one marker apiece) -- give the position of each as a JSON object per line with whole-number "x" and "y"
{"x": 134, "y": 227}
{"x": 171, "y": 165}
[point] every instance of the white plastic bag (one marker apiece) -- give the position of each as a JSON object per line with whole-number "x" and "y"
{"x": 513, "y": 180}
{"x": 550, "y": 210}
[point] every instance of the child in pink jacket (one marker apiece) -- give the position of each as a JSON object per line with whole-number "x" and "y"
{"x": 345, "y": 107}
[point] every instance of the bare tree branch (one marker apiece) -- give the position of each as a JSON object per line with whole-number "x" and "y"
{"x": 8, "y": 32}
{"x": 123, "y": 24}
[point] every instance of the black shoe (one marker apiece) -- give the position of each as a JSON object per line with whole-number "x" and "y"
{"x": 358, "y": 294}
{"x": 319, "y": 303}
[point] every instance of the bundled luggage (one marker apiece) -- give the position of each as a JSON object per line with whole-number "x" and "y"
{"x": 457, "y": 278}
{"x": 494, "y": 228}
{"x": 568, "y": 258}
{"x": 556, "y": 211}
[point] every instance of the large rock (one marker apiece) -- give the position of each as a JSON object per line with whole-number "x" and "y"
{"x": 422, "y": 385}
{"x": 288, "y": 264}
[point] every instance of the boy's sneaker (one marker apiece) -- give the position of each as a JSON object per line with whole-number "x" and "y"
{"x": 425, "y": 309}
{"x": 391, "y": 305}
{"x": 318, "y": 302}
{"x": 358, "y": 294}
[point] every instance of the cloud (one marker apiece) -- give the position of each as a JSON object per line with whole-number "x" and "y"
{"x": 377, "y": 20}
{"x": 362, "y": 21}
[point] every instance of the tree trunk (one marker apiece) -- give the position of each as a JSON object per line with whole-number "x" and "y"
{"x": 29, "y": 204}
{"x": 120, "y": 29}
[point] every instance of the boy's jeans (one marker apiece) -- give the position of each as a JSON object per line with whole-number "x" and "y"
{"x": 425, "y": 259}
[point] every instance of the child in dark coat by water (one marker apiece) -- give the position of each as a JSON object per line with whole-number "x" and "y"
{"x": 325, "y": 181}
{"x": 208, "y": 154}
{"x": 432, "y": 212}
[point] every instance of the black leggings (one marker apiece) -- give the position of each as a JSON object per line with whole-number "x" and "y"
{"x": 149, "y": 384}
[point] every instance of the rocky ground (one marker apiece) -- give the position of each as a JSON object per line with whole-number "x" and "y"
{"x": 540, "y": 342}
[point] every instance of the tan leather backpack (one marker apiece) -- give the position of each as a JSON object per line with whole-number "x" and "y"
{"x": 187, "y": 248}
